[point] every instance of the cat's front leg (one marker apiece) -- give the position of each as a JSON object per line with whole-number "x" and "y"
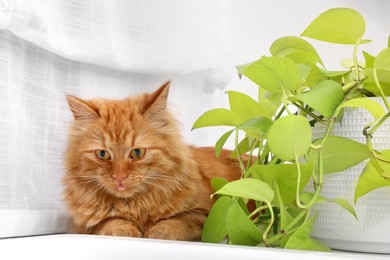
{"x": 186, "y": 227}
{"x": 119, "y": 227}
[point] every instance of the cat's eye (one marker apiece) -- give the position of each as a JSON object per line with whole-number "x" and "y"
{"x": 137, "y": 153}
{"x": 102, "y": 155}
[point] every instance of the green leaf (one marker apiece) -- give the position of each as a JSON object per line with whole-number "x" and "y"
{"x": 382, "y": 61}
{"x": 302, "y": 58}
{"x": 388, "y": 41}
{"x": 324, "y": 97}
{"x": 240, "y": 228}
{"x": 304, "y": 70}
{"x": 285, "y": 175}
{"x": 244, "y": 146}
{"x": 306, "y": 197}
{"x": 335, "y": 74}
{"x": 302, "y": 240}
{"x": 344, "y": 204}
{"x": 217, "y": 117}
{"x": 214, "y": 229}
{"x": 218, "y": 182}
{"x": 279, "y": 202}
{"x": 221, "y": 142}
{"x": 257, "y": 126}
{"x": 316, "y": 75}
{"x": 375, "y": 109}
{"x": 271, "y": 101}
{"x": 290, "y": 136}
{"x": 242, "y": 68}
{"x": 349, "y": 63}
{"x": 248, "y": 189}
{"x": 339, "y": 154}
{"x": 384, "y": 81}
{"x": 273, "y": 73}
{"x": 245, "y": 107}
{"x": 294, "y": 45}
{"x": 338, "y": 25}
{"x": 369, "y": 59}
{"x": 370, "y": 179}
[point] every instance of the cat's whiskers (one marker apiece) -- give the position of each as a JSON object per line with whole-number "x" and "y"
{"x": 163, "y": 188}
{"x": 98, "y": 187}
{"x": 165, "y": 178}
{"x": 87, "y": 181}
{"x": 140, "y": 188}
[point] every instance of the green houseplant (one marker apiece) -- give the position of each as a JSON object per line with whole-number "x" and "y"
{"x": 274, "y": 132}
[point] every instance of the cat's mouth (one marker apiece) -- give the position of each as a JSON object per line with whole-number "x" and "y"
{"x": 121, "y": 187}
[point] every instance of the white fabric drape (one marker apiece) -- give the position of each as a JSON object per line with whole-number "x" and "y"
{"x": 149, "y": 36}
{"x": 91, "y": 48}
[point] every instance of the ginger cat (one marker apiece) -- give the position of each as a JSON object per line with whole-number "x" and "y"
{"x": 128, "y": 172}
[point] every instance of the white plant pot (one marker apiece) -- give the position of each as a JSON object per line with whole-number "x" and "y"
{"x": 335, "y": 226}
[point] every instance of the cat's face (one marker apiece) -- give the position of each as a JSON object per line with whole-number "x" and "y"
{"x": 122, "y": 147}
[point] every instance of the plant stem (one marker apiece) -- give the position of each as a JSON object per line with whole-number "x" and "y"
{"x": 270, "y": 224}
{"x": 289, "y": 228}
{"x": 249, "y": 163}
{"x": 329, "y": 128}
{"x": 285, "y": 101}
{"x": 280, "y": 113}
{"x": 257, "y": 211}
{"x": 378, "y": 124}
{"x": 264, "y": 155}
{"x": 356, "y": 62}
{"x": 319, "y": 183}
{"x": 349, "y": 86}
{"x": 317, "y": 118}
{"x": 239, "y": 155}
{"x": 297, "y": 194}
{"x": 378, "y": 85}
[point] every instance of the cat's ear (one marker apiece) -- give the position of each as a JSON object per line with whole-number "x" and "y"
{"x": 157, "y": 102}
{"x": 81, "y": 109}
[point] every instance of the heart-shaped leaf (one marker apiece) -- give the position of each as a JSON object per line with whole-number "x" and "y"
{"x": 273, "y": 73}
{"x": 375, "y": 109}
{"x": 370, "y": 179}
{"x": 337, "y": 25}
{"x": 217, "y": 117}
{"x": 294, "y": 45}
{"x": 221, "y": 142}
{"x": 290, "y": 136}
{"x": 339, "y": 153}
{"x": 248, "y": 189}
{"x": 382, "y": 61}
{"x": 214, "y": 229}
{"x": 285, "y": 175}
{"x": 302, "y": 240}
{"x": 246, "y": 107}
{"x": 324, "y": 97}
{"x": 240, "y": 228}
{"x": 306, "y": 197}
{"x": 257, "y": 126}
{"x": 218, "y": 182}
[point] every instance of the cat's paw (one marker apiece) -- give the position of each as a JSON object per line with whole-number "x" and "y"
{"x": 172, "y": 230}
{"x": 162, "y": 231}
{"x": 120, "y": 227}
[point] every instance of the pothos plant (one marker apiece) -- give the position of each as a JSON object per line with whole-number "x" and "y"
{"x": 273, "y": 136}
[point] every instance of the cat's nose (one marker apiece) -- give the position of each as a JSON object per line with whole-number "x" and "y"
{"x": 119, "y": 177}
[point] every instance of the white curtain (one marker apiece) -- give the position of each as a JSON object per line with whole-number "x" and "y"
{"x": 92, "y": 48}
{"x": 148, "y": 36}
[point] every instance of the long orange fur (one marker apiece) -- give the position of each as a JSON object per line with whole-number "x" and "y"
{"x": 164, "y": 195}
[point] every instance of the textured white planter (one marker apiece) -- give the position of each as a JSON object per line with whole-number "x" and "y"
{"x": 335, "y": 226}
